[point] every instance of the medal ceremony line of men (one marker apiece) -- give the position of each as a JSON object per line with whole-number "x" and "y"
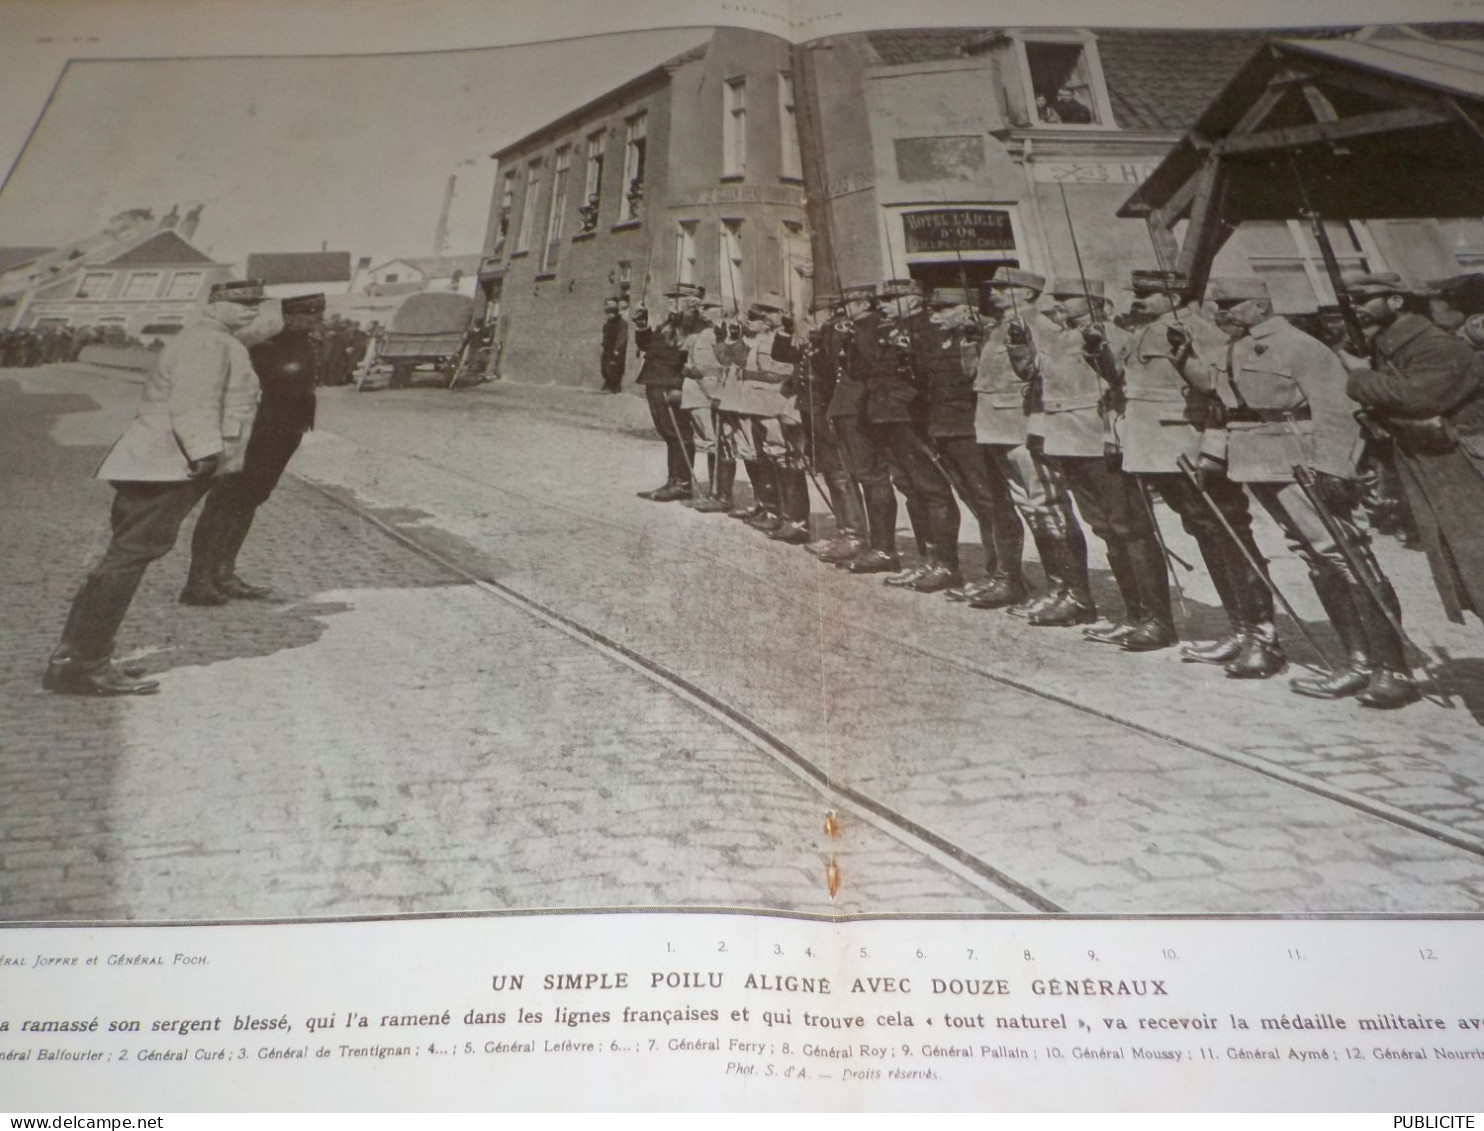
{"x": 1027, "y": 396}
{"x": 220, "y": 416}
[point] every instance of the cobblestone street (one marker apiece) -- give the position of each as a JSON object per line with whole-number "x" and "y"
{"x": 481, "y": 719}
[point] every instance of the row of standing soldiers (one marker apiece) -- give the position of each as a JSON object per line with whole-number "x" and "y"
{"x": 45, "y": 345}
{"x": 1023, "y": 399}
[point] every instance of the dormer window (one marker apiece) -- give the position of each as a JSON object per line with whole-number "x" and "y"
{"x": 1063, "y": 80}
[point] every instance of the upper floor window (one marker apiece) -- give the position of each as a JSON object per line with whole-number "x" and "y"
{"x": 788, "y": 125}
{"x": 528, "y": 207}
{"x": 1064, "y": 81}
{"x": 94, "y": 284}
{"x": 635, "y": 152}
{"x": 592, "y": 192}
{"x": 558, "y": 209}
{"x": 734, "y": 130}
{"x": 185, "y": 284}
{"x": 685, "y": 251}
{"x": 507, "y": 203}
{"x": 142, "y": 284}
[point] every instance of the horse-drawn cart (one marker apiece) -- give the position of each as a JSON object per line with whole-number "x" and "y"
{"x": 430, "y": 332}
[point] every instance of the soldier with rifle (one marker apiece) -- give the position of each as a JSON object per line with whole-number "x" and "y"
{"x": 1425, "y": 387}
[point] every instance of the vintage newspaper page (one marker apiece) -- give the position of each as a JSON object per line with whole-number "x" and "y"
{"x": 706, "y": 556}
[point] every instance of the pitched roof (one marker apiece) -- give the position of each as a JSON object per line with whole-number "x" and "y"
{"x": 161, "y": 249}
{"x": 1162, "y": 80}
{"x": 1455, "y": 68}
{"x": 921, "y": 44}
{"x": 437, "y": 266}
{"x": 275, "y": 267}
{"x": 11, "y": 257}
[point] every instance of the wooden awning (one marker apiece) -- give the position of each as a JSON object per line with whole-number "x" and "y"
{"x": 1382, "y": 129}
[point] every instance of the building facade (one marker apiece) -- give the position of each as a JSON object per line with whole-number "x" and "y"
{"x": 145, "y": 286}
{"x": 692, "y": 172}
{"x": 942, "y": 154}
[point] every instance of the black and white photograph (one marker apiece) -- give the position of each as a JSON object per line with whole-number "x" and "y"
{"x": 939, "y": 471}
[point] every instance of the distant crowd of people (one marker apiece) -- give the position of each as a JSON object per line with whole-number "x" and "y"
{"x": 43, "y": 345}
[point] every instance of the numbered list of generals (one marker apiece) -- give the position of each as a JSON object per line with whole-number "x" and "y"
{"x": 910, "y": 1018}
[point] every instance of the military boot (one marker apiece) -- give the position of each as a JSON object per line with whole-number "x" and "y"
{"x": 700, "y": 489}
{"x": 1127, "y": 581}
{"x": 1073, "y": 604}
{"x": 200, "y": 587}
{"x": 755, "y": 477}
{"x": 1390, "y": 686}
{"x": 911, "y": 574}
{"x": 1261, "y": 655}
{"x": 1004, "y": 589}
{"x": 671, "y": 491}
{"x": 943, "y": 570}
{"x": 68, "y": 676}
{"x": 793, "y": 495}
{"x": 721, "y": 499}
{"x": 1337, "y": 596}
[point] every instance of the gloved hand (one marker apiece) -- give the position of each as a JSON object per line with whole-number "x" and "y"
{"x": 1181, "y": 346}
{"x": 1017, "y": 332}
{"x": 1093, "y": 340}
{"x": 1112, "y": 457}
{"x": 640, "y": 317}
{"x": 787, "y": 325}
{"x": 205, "y": 467}
{"x": 672, "y": 397}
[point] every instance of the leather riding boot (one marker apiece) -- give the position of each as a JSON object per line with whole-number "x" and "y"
{"x": 765, "y": 484}
{"x": 873, "y": 561}
{"x": 999, "y": 592}
{"x": 721, "y": 498}
{"x": 1390, "y": 686}
{"x": 1043, "y": 535}
{"x": 755, "y": 477}
{"x": 881, "y": 518}
{"x": 200, "y": 587}
{"x": 68, "y": 676}
{"x": 1125, "y": 565}
{"x": 920, "y": 522}
{"x": 1217, "y": 553}
{"x": 1261, "y": 655}
{"x": 1337, "y": 595}
{"x": 912, "y": 573}
{"x": 671, "y": 491}
{"x": 1149, "y": 635}
{"x": 838, "y": 550}
{"x": 1067, "y": 571}
{"x": 700, "y": 489}
{"x": 943, "y": 570}
{"x": 849, "y": 506}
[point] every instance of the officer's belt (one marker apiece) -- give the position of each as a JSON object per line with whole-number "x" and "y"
{"x": 1249, "y": 415}
{"x": 1161, "y": 394}
{"x": 1071, "y": 404}
{"x": 761, "y": 378}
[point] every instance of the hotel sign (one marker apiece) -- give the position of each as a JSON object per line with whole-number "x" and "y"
{"x": 958, "y": 229}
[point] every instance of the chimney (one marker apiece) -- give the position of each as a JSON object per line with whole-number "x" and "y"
{"x": 186, "y": 229}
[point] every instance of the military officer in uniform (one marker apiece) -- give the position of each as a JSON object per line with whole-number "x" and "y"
{"x": 1007, "y": 424}
{"x": 858, "y": 334}
{"x": 662, "y": 376}
{"x": 763, "y": 359}
{"x": 285, "y": 364}
{"x": 700, "y": 392}
{"x": 1162, "y": 420}
{"x": 193, "y": 423}
{"x": 615, "y": 348}
{"x": 894, "y": 411}
{"x": 1076, "y": 409}
{"x": 946, "y": 358}
{"x": 1284, "y": 405}
{"x": 817, "y": 373}
{"x": 1426, "y": 387}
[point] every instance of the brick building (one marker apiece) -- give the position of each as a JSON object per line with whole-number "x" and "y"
{"x": 943, "y": 153}
{"x": 689, "y": 172}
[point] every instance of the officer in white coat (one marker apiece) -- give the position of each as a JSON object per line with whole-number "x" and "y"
{"x": 193, "y": 423}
